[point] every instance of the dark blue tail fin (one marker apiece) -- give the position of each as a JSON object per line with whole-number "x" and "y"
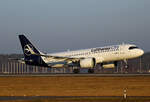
{"x": 30, "y": 52}
{"x": 27, "y": 46}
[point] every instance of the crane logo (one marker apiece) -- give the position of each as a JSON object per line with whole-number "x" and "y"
{"x": 28, "y": 49}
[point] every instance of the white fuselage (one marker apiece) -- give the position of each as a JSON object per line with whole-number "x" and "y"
{"x": 86, "y": 58}
{"x": 102, "y": 54}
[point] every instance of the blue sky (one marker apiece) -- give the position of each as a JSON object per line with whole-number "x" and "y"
{"x": 58, "y": 25}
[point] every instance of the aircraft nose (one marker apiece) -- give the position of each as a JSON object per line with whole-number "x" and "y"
{"x": 141, "y": 52}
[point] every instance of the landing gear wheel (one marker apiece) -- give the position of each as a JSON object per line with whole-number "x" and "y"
{"x": 126, "y": 66}
{"x": 76, "y": 71}
{"x": 91, "y": 71}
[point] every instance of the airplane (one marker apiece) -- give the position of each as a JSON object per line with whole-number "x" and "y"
{"x": 107, "y": 56}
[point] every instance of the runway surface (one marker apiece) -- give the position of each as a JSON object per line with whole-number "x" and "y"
{"x": 74, "y": 75}
{"x": 75, "y": 85}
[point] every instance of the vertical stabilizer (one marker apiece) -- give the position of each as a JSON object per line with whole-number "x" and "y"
{"x": 30, "y": 52}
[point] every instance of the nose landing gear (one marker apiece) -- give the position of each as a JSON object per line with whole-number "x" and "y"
{"x": 126, "y": 66}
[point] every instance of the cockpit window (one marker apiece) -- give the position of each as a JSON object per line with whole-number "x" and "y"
{"x": 133, "y": 47}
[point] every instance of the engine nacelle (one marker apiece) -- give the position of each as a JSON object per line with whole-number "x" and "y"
{"x": 108, "y": 66}
{"x": 87, "y": 63}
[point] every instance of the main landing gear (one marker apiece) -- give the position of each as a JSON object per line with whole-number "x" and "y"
{"x": 91, "y": 71}
{"x": 76, "y": 71}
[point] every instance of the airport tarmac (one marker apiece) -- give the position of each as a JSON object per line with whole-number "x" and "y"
{"x": 74, "y": 75}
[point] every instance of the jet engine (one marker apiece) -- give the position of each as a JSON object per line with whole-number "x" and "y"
{"x": 87, "y": 63}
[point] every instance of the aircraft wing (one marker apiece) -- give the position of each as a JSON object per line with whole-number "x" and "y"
{"x": 60, "y": 57}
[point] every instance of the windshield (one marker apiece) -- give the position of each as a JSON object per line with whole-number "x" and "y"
{"x": 133, "y": 47}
